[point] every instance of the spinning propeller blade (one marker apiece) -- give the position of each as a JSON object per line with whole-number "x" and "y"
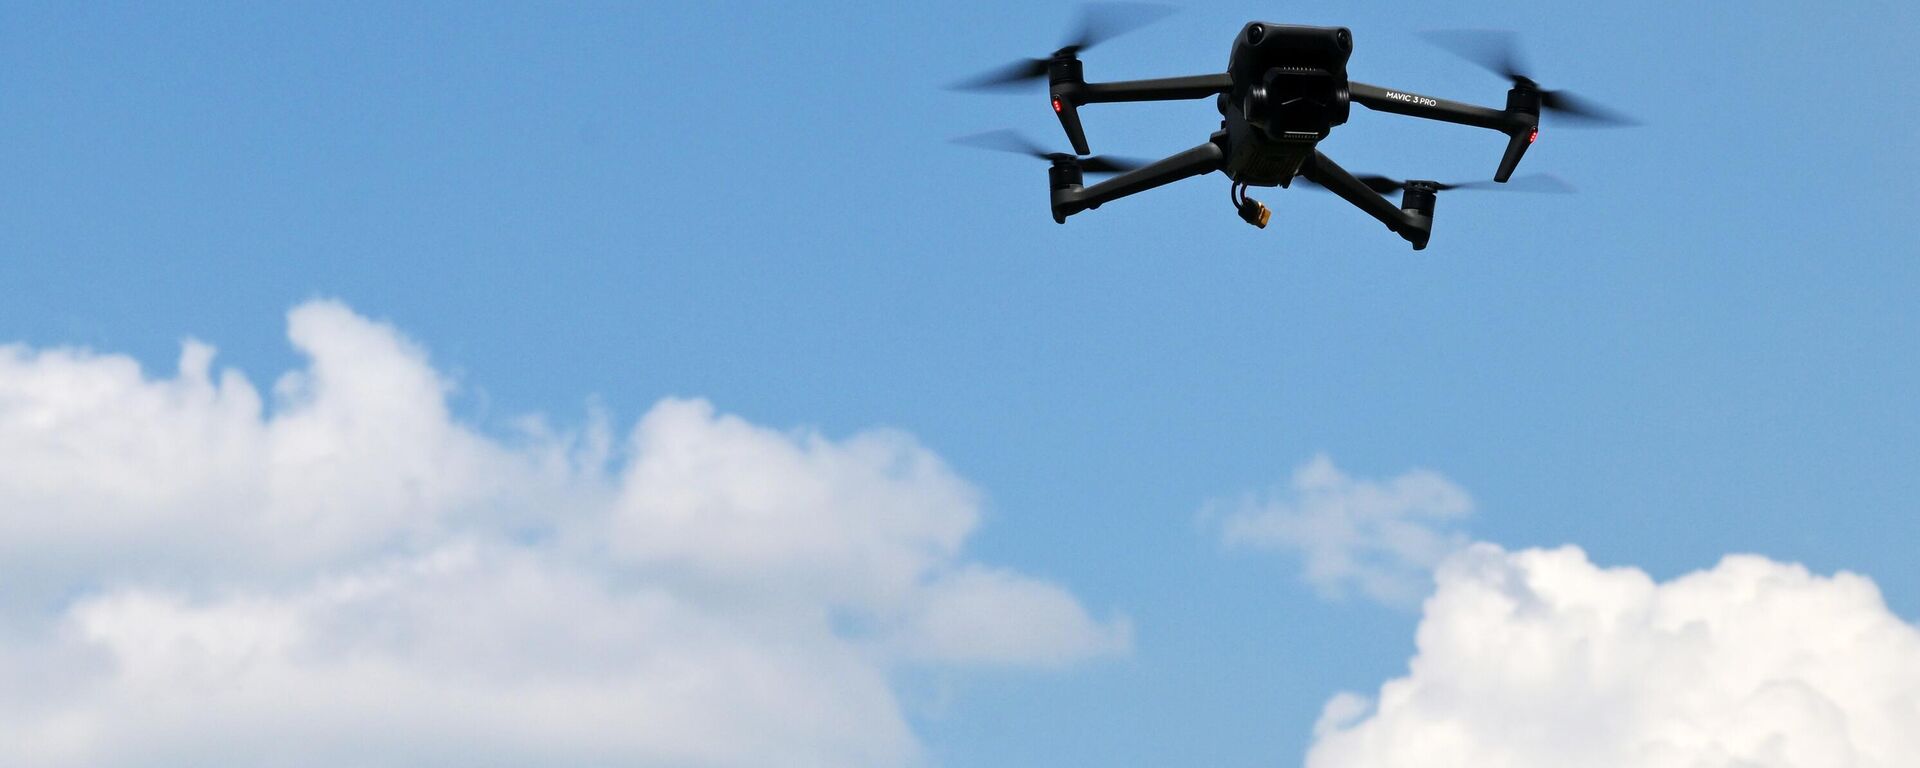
{"x": 1380, "y": 184}
{"x": 1098, "y": 22}
{"x": 1011, "y": 77}
{"x": 1004, "y": 140}
{"x": 1499, "y": 52}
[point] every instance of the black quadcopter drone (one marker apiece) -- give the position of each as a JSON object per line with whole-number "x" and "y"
{"x": 1284, "y": 90}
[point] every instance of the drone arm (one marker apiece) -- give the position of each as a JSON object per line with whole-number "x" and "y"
{"x": 1162, "y": 89}
{"x": 1068, "y": 90}
{"x": 1070, "y": 199}
{"x": 1411, "y": 225}
{"x": 1517, "y": 121}
{"x": 1415, "y": 105}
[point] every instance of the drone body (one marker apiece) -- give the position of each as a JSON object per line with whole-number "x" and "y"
{"x": 1285, "y": 89}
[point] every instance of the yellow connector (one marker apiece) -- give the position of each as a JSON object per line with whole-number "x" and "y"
{"x": 1254, "y": 212}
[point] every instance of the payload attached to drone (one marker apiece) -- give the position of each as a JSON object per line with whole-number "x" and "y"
{"x": 1284, "y": 90}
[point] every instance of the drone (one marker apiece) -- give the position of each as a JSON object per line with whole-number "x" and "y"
{"x": 1284, "y": 91}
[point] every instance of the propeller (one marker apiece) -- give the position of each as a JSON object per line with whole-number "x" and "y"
{"x": 1499, "y": 52}
{"x": 1098, "y": 22}
{"x": 1540, "y": 182}
{"x": 1004, "y": 140}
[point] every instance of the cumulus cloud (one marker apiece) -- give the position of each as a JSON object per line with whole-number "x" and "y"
{"x": 342, "y": 573}
{"x": 1382, "y": 538}
{"x": 1541, "y": 658}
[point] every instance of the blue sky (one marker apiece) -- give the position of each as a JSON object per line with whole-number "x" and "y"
{"x": 1709, "y": 349}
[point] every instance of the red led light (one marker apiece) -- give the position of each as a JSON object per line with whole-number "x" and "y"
{"x": 1535, "y": 136}
{"x": 1056, "y": 104}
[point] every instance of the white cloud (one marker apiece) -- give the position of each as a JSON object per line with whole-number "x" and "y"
{"x": 1540, "y": 658}
{"x": 978, "y": 615}
{"x": 856, "y": 521}
{"x": 1381, "y": 538}
{"x": 344, "y": 574}
{"x": 105, "y": 474}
